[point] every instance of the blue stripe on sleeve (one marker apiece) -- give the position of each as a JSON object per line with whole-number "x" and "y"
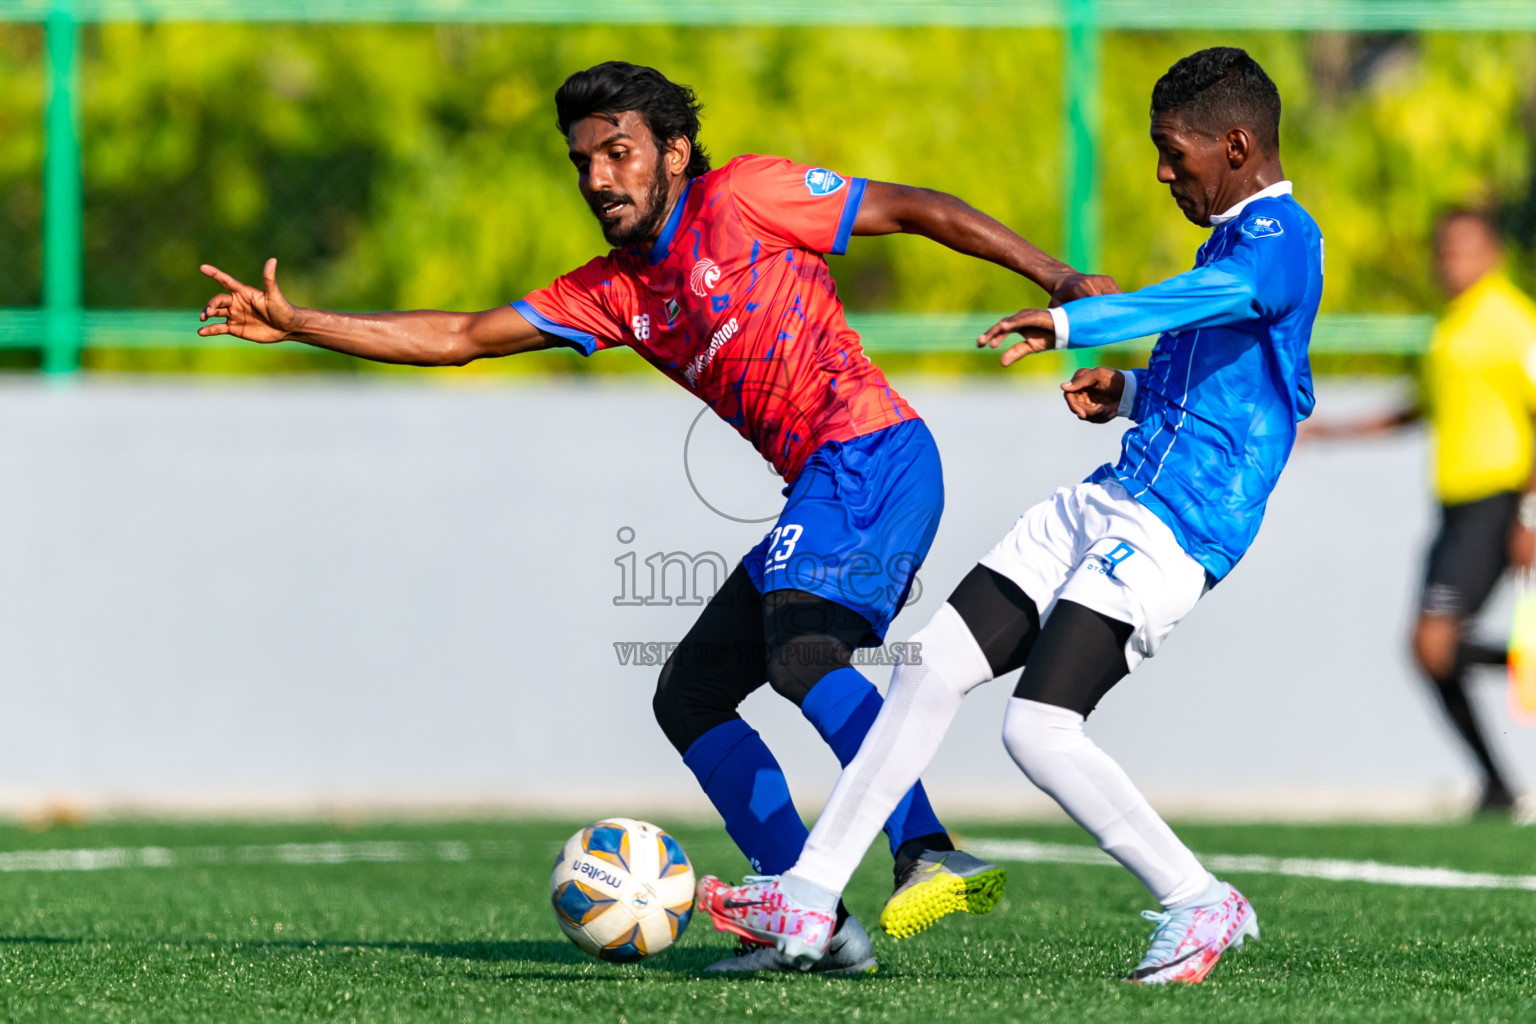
{"x": 850, "y": 212}
{"x": 584, "y": 343}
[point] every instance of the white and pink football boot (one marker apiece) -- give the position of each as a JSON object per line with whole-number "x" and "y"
{"x": 759, "y": 911}
{"x": 1187, "y": 943}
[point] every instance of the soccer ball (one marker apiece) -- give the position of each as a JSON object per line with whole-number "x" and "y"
{"x": 622, "y": 890}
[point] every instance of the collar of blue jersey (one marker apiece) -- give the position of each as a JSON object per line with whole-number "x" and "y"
{"x": 1279, "y": 188}
{"x": 664, "y": 240}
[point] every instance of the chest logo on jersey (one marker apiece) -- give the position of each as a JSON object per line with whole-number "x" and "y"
{"x": 672, "y": 309}
{"x": 1262, "y": 227}
{"x": 821, "y": 182}
{"x": 705, "y": 275}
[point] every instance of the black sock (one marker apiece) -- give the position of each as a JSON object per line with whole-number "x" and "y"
{"x": 1453, "y": 697}
{"x": 1474, "y": 652}
{"x": 908, "y": 852}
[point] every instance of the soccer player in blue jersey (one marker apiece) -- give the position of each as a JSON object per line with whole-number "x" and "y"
{"x": 1089, "y": 582}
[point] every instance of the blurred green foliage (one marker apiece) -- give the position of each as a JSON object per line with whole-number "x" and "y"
{"x": 21, "y": 165}
{"x": 406, "y": 166}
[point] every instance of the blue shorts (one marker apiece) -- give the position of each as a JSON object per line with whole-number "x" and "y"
{"x": 859, "y": 521}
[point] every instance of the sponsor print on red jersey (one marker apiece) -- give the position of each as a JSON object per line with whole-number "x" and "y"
{"x": 735, "y": 303}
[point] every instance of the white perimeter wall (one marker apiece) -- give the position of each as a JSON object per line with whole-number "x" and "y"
{"x": 300, "y": 597}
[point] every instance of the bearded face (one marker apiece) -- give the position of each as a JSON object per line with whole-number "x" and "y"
{"x": 623, "y": 175}
{"x": 627, "y": 219}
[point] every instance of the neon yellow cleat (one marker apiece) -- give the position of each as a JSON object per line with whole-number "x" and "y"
{"x": 941, "y": 882}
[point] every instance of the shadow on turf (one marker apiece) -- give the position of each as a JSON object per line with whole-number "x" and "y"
{"x": 688, "y": 962}
{"x": 526, "y": 950}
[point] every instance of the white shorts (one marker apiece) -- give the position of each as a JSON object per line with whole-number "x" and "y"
{"x": 1097, "y": 546}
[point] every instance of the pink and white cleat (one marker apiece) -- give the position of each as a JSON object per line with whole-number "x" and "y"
{"x": 759, "y": 911}
{"x": 1187, "y": 943}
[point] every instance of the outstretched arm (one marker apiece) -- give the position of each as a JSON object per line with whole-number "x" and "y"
{"x": 1196, "y": 298}
{"x": 1254, "y": 278}
{"x": 888, "y": 209}
{"x": 417, "y": 338}
{"x": 1371, "y": 426}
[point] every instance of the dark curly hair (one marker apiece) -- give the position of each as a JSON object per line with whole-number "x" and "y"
{"x": 1221, "y": 88}
{"x": 1487, "y": 219}
{"x": 608, "y": 89}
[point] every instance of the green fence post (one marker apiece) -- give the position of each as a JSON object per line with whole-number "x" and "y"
{"x": 62, "y": 197}
{"x": 1082, "y": 215}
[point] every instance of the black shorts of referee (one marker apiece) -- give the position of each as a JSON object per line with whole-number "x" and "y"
{"x": 1469, "y": 554}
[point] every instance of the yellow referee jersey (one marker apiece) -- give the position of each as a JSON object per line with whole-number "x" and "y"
{"x": 1478, "y": 391}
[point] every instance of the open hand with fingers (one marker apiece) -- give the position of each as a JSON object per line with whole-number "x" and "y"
{"x": 1033, "y": 325}
{"x": 1094, "y": 393}
{"x": 261, "y": 315}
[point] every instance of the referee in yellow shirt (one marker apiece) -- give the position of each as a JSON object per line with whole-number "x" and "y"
{"x": 1478, "y": 394}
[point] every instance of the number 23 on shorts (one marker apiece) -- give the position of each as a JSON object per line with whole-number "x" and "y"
{"x": 781, "y": 542}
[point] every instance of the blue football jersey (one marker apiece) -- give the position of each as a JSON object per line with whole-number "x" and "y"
{"x": 1216, "y": 408}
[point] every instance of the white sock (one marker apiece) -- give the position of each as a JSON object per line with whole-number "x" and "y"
{"x": 1049, "y": 744}
{"x": 919, "y": 707}
{"x": 808, "y": 894}
{"x": 1213, "y": 894}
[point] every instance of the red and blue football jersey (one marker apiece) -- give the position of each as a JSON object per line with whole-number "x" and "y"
{"x": 735, "y": 303}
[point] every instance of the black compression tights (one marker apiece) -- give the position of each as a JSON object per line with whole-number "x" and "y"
{"x": 788, "y": 639}
{"x": 1071, "y": 662}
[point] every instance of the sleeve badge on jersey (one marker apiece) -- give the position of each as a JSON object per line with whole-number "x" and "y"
{"x": 1262, "y": 227}
{"x": 821, "y": 182}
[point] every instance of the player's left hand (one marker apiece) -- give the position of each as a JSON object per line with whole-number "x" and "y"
{"x": 1035, "y": 326}
{"x": 1094, "y": 393}
{"x": 261, "y": 315}
{"x": 1522, "y": 548}
{"x": 1080, "y": 286}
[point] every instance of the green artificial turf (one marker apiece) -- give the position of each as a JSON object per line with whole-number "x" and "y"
{"x": 217, "y": 937}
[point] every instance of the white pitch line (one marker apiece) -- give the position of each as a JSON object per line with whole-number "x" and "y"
{"x": 284, "y": 853}
{"x": 1017, "y": 850}
{"x": 1296, "y": 867}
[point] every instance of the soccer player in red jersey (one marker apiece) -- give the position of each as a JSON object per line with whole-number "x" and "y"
{"x": 717, "y": 278}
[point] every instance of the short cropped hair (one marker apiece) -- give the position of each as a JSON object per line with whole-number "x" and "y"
{"x": 1486, "y": 219}
{"x": 1218, "y": 89}
{"x": 608, "y": 89}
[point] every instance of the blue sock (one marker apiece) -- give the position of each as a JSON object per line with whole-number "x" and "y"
{"x": 747, "y": 787}
{"x": 842, "y": 706}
